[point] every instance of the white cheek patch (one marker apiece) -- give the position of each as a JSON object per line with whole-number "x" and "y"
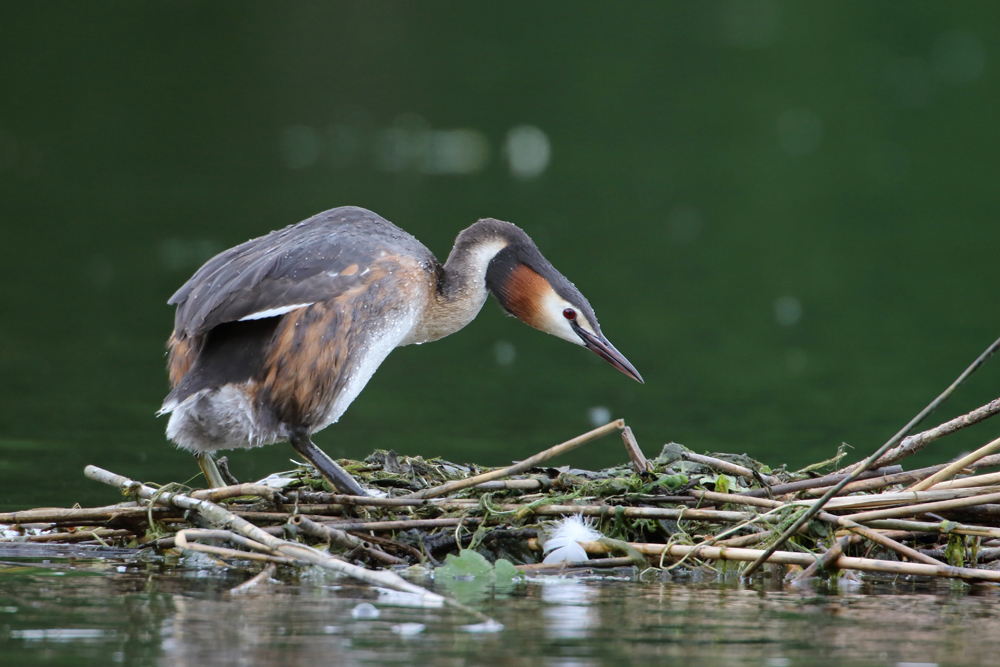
{"x": 554, "y": 322}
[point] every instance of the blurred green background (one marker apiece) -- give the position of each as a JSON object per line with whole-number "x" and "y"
{"x": 784, "y": 215}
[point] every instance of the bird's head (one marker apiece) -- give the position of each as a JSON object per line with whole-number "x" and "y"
{"x": 530, "y": 288}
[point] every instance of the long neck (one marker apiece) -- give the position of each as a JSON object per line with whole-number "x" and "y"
{"x": 461, "y": 287}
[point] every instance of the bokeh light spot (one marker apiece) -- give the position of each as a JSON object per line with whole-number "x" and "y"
{"x": 528, "y": 151}
{"x": 787, "y": 310}
{"x": 504, "y": 353}
{"x": 599, "y": 415}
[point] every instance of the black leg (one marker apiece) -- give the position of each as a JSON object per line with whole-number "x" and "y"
{"x": 340, "y": 478}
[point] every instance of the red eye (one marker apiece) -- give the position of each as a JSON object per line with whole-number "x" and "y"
{"x": 569, "y": 314}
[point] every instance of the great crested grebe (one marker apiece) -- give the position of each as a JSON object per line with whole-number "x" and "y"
{"x": 274, "y": 338}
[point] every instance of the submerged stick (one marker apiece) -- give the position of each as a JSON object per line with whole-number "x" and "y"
{"x": 871, "y": 460}
{"x": 564, "y": 566}
{"x": 523, "y": 466}
{"x": 261, "y": 577}
{"x": 268, "y": 556}
{"x": 827, "y": 559}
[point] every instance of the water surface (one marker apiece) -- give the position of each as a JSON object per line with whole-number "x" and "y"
{"x": 146, "y": 615}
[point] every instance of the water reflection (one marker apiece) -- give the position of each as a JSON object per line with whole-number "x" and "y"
{"x": 154, "y": 616}
{"x": 567, "y": 609}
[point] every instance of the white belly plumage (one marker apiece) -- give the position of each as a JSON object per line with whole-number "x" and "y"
{"x": 224, "y": 417}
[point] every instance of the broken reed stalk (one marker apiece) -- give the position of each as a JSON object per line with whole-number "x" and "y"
{"x": 235, "y": 491}
{"x": 317, "y": 497}
{"x": 745, "y": 540}
{"x": 914, "y": 443}
{"x": 523, "y": 466}
{"x": 818, "y": 482}
{"x": 828, "y": 558}
{"x": 639, "y": 463}
{"x": 954, "y": 468}
{"x": 97, "y": 535}
{"x": 878, "y": 482}
{"x": 407, "y": 524}
{"x": 678, "y": 551}
{"x": 877, "y": 500}
{"x": 969, "y": 482}
{"x": 516, "y": 484}
{"x": 612, "y": 511}
{"x": 826, "y": 517}
{"x": 871, "y": 460}
{"x": 342, "y": 539}
{"x": 81, "y": 515}
{"x": 941, "y": 527}
{"x": 903, "y": 478}
{"x": 728, "y": 468}
{"x": 268, "y": 556}
{"x": 228, "y": 521}
{"x": 924, "y": 508}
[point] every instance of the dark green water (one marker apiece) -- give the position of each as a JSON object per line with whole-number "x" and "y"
{"x": 785, "y": 215}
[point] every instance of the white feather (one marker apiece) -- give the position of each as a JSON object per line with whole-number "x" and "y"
{"x": 563, "y": 545}
{"x": 274, "y": 312}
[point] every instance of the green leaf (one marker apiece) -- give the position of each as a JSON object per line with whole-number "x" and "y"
{"x": 505, "y": 570}
{"x": 722, "y": 484}
{"x": 468, "y": 564}
{"x": 955, "y": 551}
{"x": 669, "y": 482}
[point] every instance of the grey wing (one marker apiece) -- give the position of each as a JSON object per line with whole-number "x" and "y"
{"x": 317, "y": 259}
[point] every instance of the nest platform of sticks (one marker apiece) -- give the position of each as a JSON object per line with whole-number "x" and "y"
{"x": 677, "y": 510}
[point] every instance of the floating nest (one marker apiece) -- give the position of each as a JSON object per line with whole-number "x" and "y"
{"x": 677, "y": 512}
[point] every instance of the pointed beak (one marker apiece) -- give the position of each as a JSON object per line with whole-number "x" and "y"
{"x": 604, "y": 349}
